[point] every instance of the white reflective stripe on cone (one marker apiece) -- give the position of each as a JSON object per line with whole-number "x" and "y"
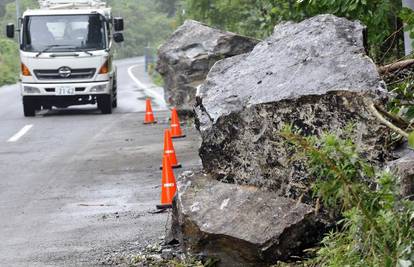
{"x": 169, "y": 185}
{"x": 169, "y": 151}
{"x": 174, "y": 125}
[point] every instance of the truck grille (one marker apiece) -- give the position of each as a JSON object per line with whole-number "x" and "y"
{"x": 55, "y": 75}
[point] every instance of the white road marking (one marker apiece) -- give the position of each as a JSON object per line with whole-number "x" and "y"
{"x": 158, "y": 97}
{"x": 20, "y": 134}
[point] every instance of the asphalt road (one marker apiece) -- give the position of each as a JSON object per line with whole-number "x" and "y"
{"x": 76, "y": 186}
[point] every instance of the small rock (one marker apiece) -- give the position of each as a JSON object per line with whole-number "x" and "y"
{"x": 167, "y": 254}
{"x": 404, "y": 169}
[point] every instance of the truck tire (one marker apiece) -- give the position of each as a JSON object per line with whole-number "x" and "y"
{"x": 29, "y": 107}
{"x": 37, "y": 106}
{"x": 115, "y": 103}
{"x": 105, "y": 104}
{"x": 115, "y": 96}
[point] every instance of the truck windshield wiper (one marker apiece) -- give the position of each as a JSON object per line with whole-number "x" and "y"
{"x": 48, "y": 48}
{"x": 83, "y": 50}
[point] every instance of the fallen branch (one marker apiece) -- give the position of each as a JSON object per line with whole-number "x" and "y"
{"x": 395, "y": 66}
{"x": 401, "y": 123}
{"x": 378, "y": 115}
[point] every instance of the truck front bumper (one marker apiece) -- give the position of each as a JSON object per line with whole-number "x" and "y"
{"x": 79, "y": 89}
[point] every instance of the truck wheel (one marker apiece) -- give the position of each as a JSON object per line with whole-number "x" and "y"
{"x": 29, "y": 107}
{"x": 105, "y": 104}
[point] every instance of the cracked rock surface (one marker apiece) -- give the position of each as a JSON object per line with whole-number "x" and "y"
{"x": 188, "y": 55}
{"x": 240, "y": 225}
{"x": 314, "y": 75}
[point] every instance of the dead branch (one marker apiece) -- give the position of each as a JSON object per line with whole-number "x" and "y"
{"x": 378, "y": 115}
{"x": 400, "y": 122}
{"x": 395, "y": 66}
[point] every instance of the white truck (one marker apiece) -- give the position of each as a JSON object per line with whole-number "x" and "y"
{"x": 66, "y": 54}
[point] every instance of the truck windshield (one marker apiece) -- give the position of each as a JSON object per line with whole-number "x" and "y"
{"x": 63, "y": 33}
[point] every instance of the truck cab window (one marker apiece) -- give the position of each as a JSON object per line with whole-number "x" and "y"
{"x": 64, "y": 33}
{"x": 95, "y": 32}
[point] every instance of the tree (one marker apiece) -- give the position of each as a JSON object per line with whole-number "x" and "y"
{"x": 167, "y": 6}
{"x": 145, "y": 26}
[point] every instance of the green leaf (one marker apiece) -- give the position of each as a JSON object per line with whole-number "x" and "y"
{"x": 411, "y": 140}
{"x": 410, "y": 113}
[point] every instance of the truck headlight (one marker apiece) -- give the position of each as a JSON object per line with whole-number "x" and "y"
{"x": 31, "y": 90}
{"x": 98, "y": 88}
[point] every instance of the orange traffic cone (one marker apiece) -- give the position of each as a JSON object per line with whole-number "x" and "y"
{"x": 169, "y": 186}
{"x": 149, "y": 115}
{"x": 169, "y": 150}
{"x": 175, "y": 125}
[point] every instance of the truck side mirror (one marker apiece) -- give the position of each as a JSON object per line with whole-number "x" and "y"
{"x": 118, "y": 24}
{"x": 118, "y": 37}
{"x": 10, "y": 30}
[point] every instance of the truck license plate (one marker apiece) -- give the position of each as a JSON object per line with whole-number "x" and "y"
{"x": 65, "y": 90}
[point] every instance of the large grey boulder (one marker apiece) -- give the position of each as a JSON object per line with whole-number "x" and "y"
{"x": 188, "y": 55}
{"x": 314, "y": 75}
{"x": 240, "y": 225}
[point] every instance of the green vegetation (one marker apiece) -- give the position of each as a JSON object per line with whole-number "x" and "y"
{"x": 9, "y": 52}
{"x": 146, "y": 24}
{"x": 9, "y": 65}
{"x": 401, "y": 106}
{"x": 376, "y": 226}
{"x": 257, "y": 19}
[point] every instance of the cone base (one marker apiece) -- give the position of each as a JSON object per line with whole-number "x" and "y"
{"x": 164, "y": 206}
{"x": 148, "y": 123}
{"x": 178, "y": 166}
{"x": 178, "y": 137}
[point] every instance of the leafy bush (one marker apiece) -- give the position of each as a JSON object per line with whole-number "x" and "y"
{"x": 9, "y": 63}
{"x": 376, "y": 228}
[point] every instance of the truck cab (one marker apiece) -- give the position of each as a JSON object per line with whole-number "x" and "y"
{"x": 66, "y": 54}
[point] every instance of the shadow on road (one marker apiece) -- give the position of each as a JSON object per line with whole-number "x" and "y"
{"x": 70, "y": 112}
